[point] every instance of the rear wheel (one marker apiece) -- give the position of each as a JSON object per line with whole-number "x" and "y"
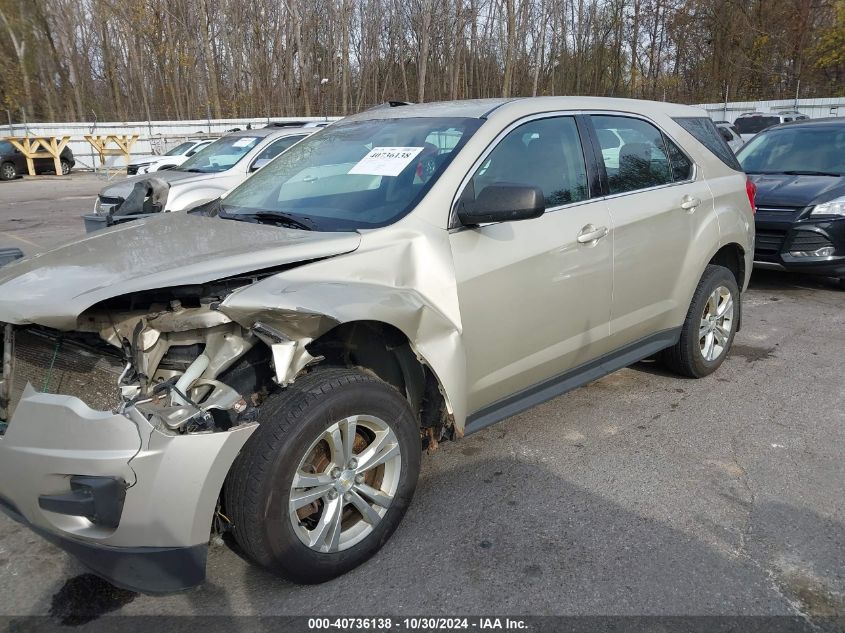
{"x": 327, "y": 476}
{"x": 709, "y": 328}
{"x": 65, "y": 167}
{"x": 8, "y": 171}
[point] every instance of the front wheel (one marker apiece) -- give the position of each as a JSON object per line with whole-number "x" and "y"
{"x": 8, "y": 171}
{"x": 709, "y": 328}
{"x": 327, "y": 476}
{"x": 65, "y": 167}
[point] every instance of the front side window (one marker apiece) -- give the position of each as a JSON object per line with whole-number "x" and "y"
{"x": 544, "y": 153}
{"x": 640, "y": 161}
{"x": 278, "y": 146}
{"x": 350, "y": 176}
{"x": 221, "y": 155}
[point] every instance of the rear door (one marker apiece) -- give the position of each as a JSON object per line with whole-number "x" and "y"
{"x": 534, "y": 300}
{"x": 658, "y": 207}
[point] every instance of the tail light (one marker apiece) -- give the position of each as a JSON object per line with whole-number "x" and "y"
{"x": 751, "y": 190}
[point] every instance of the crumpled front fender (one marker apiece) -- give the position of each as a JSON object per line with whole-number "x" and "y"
{"x": 400, "y": 277}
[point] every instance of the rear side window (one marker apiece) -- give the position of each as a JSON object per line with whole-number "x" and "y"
{"x": 678, "y": 161}
{"x": 608, "y": 140}
{"x": 705, "y": 132}
{"x": 640, "y": 161}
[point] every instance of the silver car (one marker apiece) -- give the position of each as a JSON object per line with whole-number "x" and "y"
{"x": 273, "y": 366}
{"x": 206, "y": 175}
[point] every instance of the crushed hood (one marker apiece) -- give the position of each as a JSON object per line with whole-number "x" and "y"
{"x": 172, "y": 249}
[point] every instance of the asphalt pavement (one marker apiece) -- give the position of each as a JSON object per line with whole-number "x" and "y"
{"x": 642, "y": 493}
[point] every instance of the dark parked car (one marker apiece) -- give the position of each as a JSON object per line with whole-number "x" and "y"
{"x": 799, "y": 171}
{"x": 13, "y": 163}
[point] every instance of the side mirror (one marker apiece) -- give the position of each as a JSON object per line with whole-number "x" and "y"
{"x": 503, "y": 202}
{"x": 726, "y": 134}
{"x": 259, "y": 164}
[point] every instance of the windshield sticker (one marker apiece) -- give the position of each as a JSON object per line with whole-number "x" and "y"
{"x": 246, "y": 141}
{"x": 385, "y": 161}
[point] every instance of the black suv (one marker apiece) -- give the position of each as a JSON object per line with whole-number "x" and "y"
{"x": 12, "y": 162}
{"x": 799, "y": 171}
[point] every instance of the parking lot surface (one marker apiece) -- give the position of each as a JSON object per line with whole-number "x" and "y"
{"x": 641, "y": 493}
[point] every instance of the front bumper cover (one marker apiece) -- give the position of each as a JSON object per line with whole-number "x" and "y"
{"x": 172, "y": 481}
{"x": 785, "y": 230}
{"x": 144, "y": 569}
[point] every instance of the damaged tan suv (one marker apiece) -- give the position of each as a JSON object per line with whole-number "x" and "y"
{"x": 270, "y": 365}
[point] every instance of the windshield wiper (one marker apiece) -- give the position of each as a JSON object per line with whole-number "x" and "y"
{"x": 271, "y": 217}
{"x": 800, "y": 172}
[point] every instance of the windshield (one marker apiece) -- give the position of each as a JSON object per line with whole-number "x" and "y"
{"x": 220, "y": 155}
{"x": 796, "y": 149}
{"x": 357, "y": 175}
{"x": 180, "y": 149}
{"x": 754, "y": 124}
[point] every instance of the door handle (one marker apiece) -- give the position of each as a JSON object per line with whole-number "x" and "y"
{"x": 689, "y": 203}
{"x": 591, "y": 234}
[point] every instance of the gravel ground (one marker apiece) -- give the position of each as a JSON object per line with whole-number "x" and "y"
{"x": 641, "y": 493}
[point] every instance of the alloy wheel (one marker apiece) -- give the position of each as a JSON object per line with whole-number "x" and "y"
{"x": 8, "y": 172}
{"x": 345, "y": 483}
{"x": 716, "y": 324}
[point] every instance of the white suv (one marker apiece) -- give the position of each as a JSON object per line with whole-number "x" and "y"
{"x": 148, "y": 163}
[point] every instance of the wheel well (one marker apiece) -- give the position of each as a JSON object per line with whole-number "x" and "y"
{"x": 385, "y": 351}
{"x": 732, "y": 257}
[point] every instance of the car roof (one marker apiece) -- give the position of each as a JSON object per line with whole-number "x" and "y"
{"x": 271, "y": 131}
{"x": 521, "y": 106}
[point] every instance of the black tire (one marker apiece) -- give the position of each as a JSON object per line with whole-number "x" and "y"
{"x": 65, "y": 167}
{"x": 8, "y": 171}
{"x": 258, "y": 488}
{"x": 686, "y": 357}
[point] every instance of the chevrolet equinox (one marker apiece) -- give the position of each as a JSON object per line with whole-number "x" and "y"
{"x": 271, "y": 365}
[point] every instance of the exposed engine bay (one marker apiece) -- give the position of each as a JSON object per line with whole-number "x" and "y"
{"x": 170, "y": 354}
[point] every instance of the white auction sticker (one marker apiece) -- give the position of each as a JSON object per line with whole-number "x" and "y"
{"x": 385, "y": 161}
{"x": 245, "y": 141}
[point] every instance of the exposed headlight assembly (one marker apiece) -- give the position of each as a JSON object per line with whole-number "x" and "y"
{"x": 831, "y": 207}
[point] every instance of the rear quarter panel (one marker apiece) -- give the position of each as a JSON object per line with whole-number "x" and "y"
{"x": 729, "y": 207}
{"x": 736, "y": 220}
